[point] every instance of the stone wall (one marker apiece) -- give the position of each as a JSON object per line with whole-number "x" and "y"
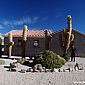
{"x": 79, "y": 43}
{"x": 54, "y": 44}
{"x": 30, "y": 49}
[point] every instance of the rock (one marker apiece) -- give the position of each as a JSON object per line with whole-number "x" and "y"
{"x": 48, "y": 70}
{"x": 29, "y": 70}
{"x": 52, "y": 70}
{"x": 63, "y": 70}
{"x": 35, "y": 70}
{"x": 14, "y": 70}
{"x": 40, "y": 69}
{"x": 12, "y": 67}
{"x": 73, "y": 69}
{"x": 37, "y": 67}
{"x": 81, "y": 68}
{"x": 59, "y": 70}
{"x": 55, "y": 70}
{"x": 43, "y": 69}
{"x": 23, "y": 71}
{"x": 68, "y": 69}
{"x": 76, "y": 67}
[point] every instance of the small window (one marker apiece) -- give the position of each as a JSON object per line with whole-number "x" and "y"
{"x": 36, "y": 43}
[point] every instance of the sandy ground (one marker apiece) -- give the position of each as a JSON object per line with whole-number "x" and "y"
{"x": 55, "y": 78}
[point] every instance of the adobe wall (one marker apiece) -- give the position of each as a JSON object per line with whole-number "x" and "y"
{"x": 54, "y": 44}
{"x": 30, "y": 49}
{"x": 79, "y": 43}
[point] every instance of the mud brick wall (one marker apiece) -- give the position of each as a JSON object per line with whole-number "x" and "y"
{"x": 30, "y": 49}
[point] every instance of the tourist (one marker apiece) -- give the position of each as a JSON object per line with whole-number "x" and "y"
{"x": 73, "y": 50}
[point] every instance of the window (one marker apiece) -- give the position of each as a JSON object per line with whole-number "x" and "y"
{"x": 36, "y": 43}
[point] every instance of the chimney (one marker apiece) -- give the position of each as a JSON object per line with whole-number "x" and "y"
{"x": 46, "y": 40}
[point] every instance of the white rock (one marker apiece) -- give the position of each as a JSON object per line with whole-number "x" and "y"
{"x": 55, "y": 70}
{"x": 73, "y": 69}
{"x": 76, "y": 68}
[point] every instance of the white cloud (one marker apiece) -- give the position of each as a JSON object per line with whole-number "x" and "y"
{"x": 35, "y": 19}
{"x": 7, "y": 23}
{"x": 20, "y": 22}
{"x": 26, "y": 20}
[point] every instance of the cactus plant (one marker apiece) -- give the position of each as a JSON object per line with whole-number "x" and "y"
{"x": 68, "y": 37}
{"x": 24, "y": 35}
{"x": 69, "y": 34}
{"x": 10, "y": 44}
{"x": 24, "y": 39}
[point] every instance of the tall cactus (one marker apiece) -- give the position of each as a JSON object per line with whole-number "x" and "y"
{"x": 24, "y": 39}
{"x": 68, "y": 36}
{"x": 10, "y": 44}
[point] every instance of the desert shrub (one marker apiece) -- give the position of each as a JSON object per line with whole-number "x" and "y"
{"x": 2, "y": 62}
{"x": 49, "y": 59}
{"x": 66, "y": 57}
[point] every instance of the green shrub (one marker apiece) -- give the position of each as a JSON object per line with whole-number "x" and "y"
{"x": 66, "y": 57}
{"x": 48, "y": 59}
{"x": 2, "y": 62}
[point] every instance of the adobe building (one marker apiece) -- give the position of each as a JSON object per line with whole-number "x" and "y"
{"x": 41, "y": 40}
{"x": 35, "y": 42}
{"x": 79, "y": 43}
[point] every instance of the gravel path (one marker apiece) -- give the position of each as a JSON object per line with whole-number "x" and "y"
{"x": 80, "y": 61}
{"x": 55, "y": 78}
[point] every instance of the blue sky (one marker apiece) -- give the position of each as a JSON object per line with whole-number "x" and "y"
{"x": 41, "y": 14}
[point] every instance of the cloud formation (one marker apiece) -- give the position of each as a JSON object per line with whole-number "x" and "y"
{"x": 24, "y": 20}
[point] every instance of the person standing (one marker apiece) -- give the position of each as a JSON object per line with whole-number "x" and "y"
{"x": 73, "y": 50}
